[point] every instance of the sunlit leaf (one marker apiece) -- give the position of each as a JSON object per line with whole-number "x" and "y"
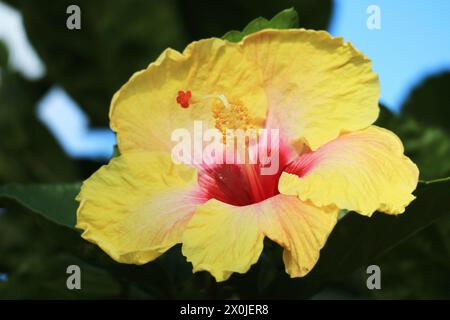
{"x": 286, "y": 19}
{"x": 54, "y": 202}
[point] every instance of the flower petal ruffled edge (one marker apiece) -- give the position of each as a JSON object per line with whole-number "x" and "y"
{"x": 318, "y": 86}
{"x": 363, "y": 171}
{"x": 223, "y": 239}
{"x": 137, "y": 207}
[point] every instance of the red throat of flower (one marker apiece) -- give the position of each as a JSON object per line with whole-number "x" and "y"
{"x": 183, "y": 98}
{"x": 242, "y": 184}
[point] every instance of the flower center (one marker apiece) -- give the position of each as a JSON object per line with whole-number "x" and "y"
{"x": 238, "y": 184}
{"x": 242, "y": 184}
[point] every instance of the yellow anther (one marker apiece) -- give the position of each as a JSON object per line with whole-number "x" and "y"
{"x": 230, "y": 115}
{"x": 227, "y": 114}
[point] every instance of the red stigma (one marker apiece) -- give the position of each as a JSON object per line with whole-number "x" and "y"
{"x": 183, "y": 98}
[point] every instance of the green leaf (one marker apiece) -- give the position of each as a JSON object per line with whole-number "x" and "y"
{"x": 49, "y": 280}
{"x": 428, "y": 102}
{"x": 425, "y": 256}
{"x": 56, "y": 202}
{"x": 214, "y": 18}
{"x": 116, "y": 151}
{"x": 286, "y": 19}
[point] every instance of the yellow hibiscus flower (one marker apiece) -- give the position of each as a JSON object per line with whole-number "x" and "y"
{"x": 317, "y": 90}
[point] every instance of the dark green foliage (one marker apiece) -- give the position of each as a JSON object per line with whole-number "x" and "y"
{"x": 56, "y": 202}
{"x": 28, "y": 152}
{"x": 430, "y": 102}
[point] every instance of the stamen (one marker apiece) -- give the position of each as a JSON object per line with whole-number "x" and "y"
{"x": 231, "y": 115}
{"x": 223, "y": 99}
{"x": 184, "y": 99}
{"x": 228, "y": 115}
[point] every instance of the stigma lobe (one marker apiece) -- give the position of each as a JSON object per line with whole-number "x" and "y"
{"x": 183, "y": 98}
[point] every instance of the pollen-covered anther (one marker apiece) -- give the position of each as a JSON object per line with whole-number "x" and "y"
{"x": 231, "y": 116}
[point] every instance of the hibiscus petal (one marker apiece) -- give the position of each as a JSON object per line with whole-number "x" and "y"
{"x": 223, "y": 239}
{"x": 317, "y": 86}
{"x": 300, "y": 227}
{"x": 145, "y": 111}
{"x": 362, "y": 171}
{"x": 137, "y": 207}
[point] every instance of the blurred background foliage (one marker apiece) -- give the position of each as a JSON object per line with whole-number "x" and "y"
{"x": 121, "y": 37}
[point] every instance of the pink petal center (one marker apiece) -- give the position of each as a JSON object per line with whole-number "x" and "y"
{"x": 241, "y": 184}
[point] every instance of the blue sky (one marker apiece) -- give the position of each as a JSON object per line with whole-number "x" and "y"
{"x": 413, "y": 43}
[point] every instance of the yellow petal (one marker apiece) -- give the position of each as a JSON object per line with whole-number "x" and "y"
{"x": 223, "y": 239}
{"x": 137, "y": 206}
{"x": 144, "y": 112}
{"x": 300, "y": 227}
{"x": 317, "y": 86}
{"x": 362, "y": 171}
